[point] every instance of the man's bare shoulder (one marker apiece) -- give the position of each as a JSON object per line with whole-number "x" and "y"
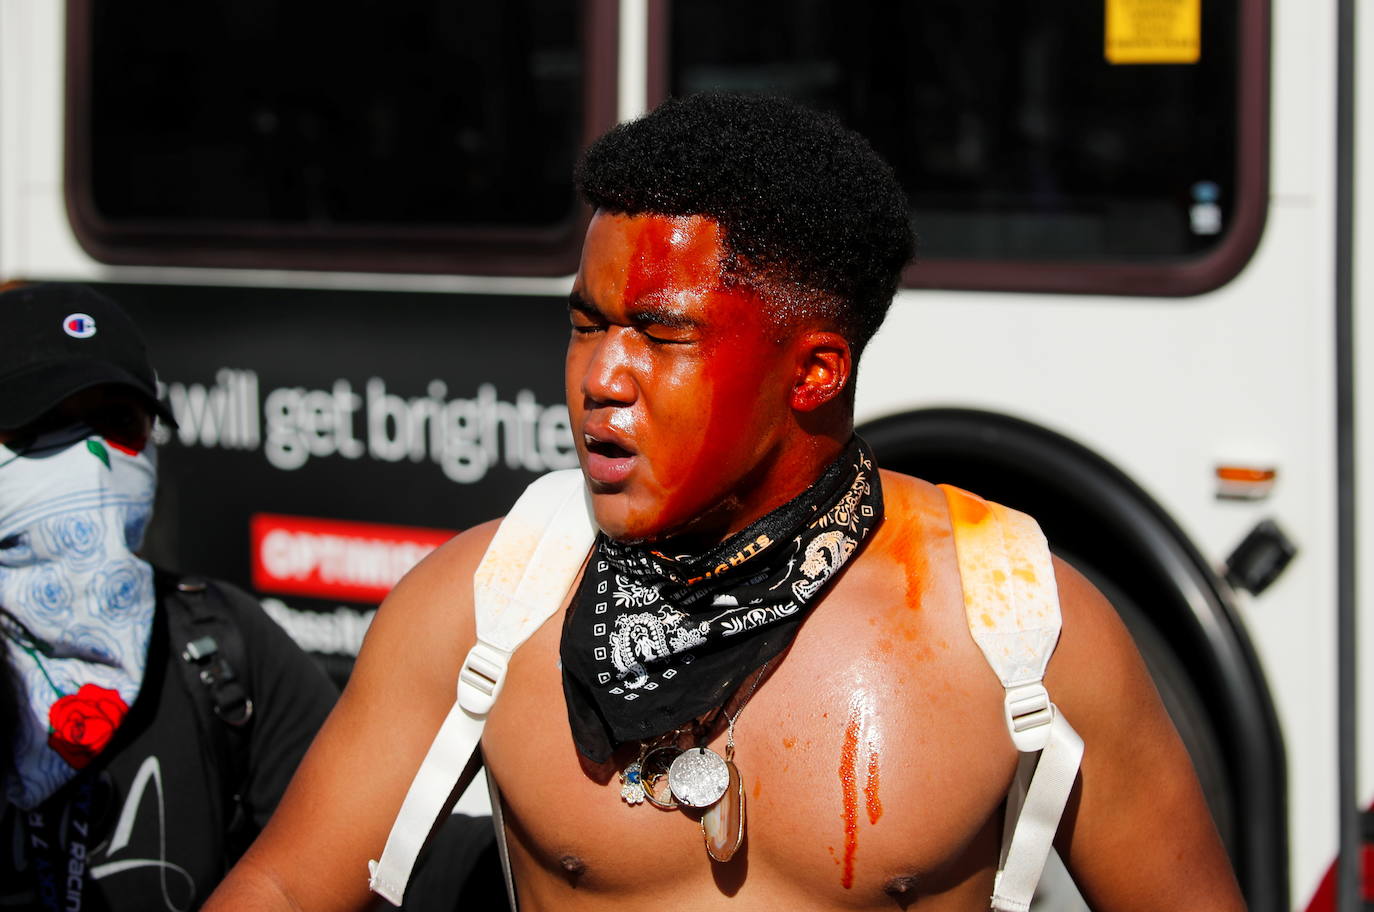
{"x": 905, "y": 588}
{"x": 454, "y": 561}
{"x": 908, "y": 499}
{"x": 1096, "y": 675}
{"x": 444, "y": 574}
{"x": 1096, "y": 660}
{"x": 1101, "y": 685}
{"x": 893, "y": 479}
{"x": 431, "y": 607}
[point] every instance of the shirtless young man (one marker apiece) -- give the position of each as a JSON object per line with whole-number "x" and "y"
{"x": 742, "y": 253}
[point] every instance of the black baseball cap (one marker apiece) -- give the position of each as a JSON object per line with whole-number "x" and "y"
{"x": 57, "y": 339}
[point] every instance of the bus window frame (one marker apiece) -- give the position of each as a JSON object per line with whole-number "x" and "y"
{"x": 389, "y": 248}
{"x": 1181, "y": 277}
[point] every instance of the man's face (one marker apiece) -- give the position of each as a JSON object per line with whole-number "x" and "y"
{"x": 678, "y": 386}
{"x": 114, "y": 412}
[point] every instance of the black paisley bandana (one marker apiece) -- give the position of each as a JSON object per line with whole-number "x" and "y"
{"x": 652, "y": 642}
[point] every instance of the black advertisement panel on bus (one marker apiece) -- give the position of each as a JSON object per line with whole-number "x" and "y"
{"x": 328, "y": 440}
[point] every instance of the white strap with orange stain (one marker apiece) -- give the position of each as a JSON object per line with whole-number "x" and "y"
{"x": 1011, "y": 602}
{"x": 527, "y": 570}
{"x": 1012, "y": 606}
{"x": 549, "y": 531}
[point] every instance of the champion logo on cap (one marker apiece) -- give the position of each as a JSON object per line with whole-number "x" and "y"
{"x": 79, "y": 325}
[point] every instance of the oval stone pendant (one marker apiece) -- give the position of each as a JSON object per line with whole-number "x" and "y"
{"x": 723, "y": 823}
{"x": 698, "y": 777}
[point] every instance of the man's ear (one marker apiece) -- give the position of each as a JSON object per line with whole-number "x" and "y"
{"x": 824, "y": 365}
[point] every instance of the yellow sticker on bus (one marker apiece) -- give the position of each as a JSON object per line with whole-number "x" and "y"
{"x": 1154, "y": 31}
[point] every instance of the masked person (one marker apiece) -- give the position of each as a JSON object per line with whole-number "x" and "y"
{"x": 751, "y": 594}
{"x": 159, "y": 717}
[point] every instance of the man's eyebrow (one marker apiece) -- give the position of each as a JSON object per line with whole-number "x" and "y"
{"x": 644, "y": 314}
{"x": 579, "y": 303}
{"x": 652, "y": 314}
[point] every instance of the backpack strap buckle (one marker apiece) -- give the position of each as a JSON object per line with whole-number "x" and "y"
{"x": 227, "y": 693}
{"x": 1028, "y": 715}
{"x": 483, "y": 674}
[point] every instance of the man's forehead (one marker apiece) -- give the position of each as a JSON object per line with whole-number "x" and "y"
{"x": 630, "y": 257}
{"x": 678, "y": 229}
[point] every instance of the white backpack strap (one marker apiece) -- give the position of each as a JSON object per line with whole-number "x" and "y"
{"x": 455, "y": 749}
{"x": 1011, "y": 603}
{"x": 532, "y": 561}
{"x": 1028, "y": 835}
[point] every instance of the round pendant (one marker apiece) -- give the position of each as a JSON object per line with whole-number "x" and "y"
{"x": 698, "y": 777}
{"x": 654, "y": 777}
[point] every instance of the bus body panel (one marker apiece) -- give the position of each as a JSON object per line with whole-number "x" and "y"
{"x": 1165, "y": 389}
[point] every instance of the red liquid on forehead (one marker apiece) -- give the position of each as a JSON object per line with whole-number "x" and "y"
{"x": 651, "y": 262}
{"x": 676, "y": 255}
{"x": 726, "y": 403}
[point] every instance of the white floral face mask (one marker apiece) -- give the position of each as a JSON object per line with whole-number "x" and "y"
{"x": 77, "y": 603}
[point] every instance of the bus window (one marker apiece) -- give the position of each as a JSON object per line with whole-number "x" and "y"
{"x": 1032, "y": 161}
{"x": 416, "y": 137}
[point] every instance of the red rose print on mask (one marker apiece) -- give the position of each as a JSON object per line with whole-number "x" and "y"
{"x": 83, "y": 723}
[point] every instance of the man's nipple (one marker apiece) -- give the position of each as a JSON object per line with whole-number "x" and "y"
{"x": 573, "y": 866}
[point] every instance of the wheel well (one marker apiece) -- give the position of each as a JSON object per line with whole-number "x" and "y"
{"x": 1091, "y": 510}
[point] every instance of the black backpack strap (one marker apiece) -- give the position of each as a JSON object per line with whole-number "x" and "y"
{"x": 207, "y": 645}
{"x": 217, "y": 652}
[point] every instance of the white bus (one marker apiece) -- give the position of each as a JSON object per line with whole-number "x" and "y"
{"x": 349, "y": 231}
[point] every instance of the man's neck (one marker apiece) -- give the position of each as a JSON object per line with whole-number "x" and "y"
{"x": 772, "y": 484}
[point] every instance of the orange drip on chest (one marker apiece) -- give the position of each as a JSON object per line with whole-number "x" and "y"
{"x": 849, "y": 786}
{"x": 871, "y": 799}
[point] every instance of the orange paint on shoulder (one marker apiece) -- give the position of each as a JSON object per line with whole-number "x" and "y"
{"x": 789, "y": 743}
{"x": 904, "y": 541}
{"x": 966, "y": 509}
{"x": 916, "y": 574}
{"x": 758, "y": 787}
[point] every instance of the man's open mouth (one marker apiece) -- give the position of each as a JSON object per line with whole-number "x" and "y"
{"x": 607, "y": 449}
{"x": 608, "y": 463}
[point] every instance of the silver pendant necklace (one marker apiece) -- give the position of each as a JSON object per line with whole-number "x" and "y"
{"x": 669, "y": 777}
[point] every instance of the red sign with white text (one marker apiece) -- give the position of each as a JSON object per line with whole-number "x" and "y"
{"x": 335, "y": 559}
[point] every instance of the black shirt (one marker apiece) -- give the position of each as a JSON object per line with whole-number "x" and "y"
{"x": 148, "y": 824}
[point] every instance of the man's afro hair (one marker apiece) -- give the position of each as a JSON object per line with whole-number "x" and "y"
{"x": 802, "y": 199}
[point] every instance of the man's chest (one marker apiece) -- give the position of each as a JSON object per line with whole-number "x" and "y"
{"x": 875, "y": 751}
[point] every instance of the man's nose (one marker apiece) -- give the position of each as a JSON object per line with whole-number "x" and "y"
{"x": 609, "y": 378}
